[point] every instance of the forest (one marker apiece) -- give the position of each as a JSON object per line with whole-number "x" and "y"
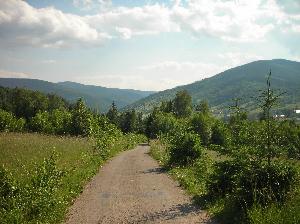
{"x": 240, "y": 170}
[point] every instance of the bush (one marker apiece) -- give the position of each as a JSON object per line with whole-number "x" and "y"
{"x": 221, "y": 134}
{"x": 8, "y": 122}
{"x": 40, "y": 123}
{"x": 252, "y": 181}
{"x": 202, "y": 125}
{"x": 185, "y": 148}
{"x": 287, "y": 137}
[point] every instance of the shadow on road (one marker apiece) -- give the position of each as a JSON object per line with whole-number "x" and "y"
{"x": 177, "y": 211}
{"x": 157, "y": 170}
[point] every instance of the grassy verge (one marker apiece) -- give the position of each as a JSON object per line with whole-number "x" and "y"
{"x": 41, "y": 175}
{"x": 194, "y": 179}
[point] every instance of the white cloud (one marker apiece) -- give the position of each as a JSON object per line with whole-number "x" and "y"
{"x": 10, "y": 74}
{"x": 228, "y": 20}
{"x": 22, "y": 24}
{"x": 126, "y": 22}
{"x": 238, "y": 21}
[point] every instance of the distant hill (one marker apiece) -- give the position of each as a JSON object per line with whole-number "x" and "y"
{"x": 243, "y": 82}
{"x": 96, "y": 97}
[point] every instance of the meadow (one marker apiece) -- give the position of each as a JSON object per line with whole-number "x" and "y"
{"x": 42, "y": 174}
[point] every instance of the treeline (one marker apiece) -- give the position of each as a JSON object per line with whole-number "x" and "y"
{"x": 26, "y": 110}
{"x": 258, "y": 173}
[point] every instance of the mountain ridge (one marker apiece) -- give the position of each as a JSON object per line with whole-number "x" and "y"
{"x": 243, "y": 81}
{"x": 96, "y": 97}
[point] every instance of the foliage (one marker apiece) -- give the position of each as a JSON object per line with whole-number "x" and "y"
{"x": 113, "y": 114}
{"x": 129, "y": 121}
{"x": 287, "y": 138}
{"x": 184, "y": 148}
{"x": 81, "y": 119}
{"x": 203, "y": 107}
{"x": 27, "y": 103}
{"x": 55, "y": 122}
{"x": 202, "y": 124}
{"x": 221, "y": 134}
{"x": 254, "y": 173}
{"x": 182, "y": 104}
{"x": 285, "y": 213}
{"x": 8, "y": 122}
{"x": 252, "y": 182}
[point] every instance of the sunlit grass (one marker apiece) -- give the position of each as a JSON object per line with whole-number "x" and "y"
{"x": 19, "y": 152}
{"x": 21, "y": 155}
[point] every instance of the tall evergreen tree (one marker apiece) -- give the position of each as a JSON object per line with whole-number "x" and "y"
{"x": 113, "y": 114}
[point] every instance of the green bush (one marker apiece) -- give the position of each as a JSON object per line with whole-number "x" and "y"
{"x": 8, "y": 122}
{"x": 252, "y": 181}
{"x": 221, "y": 134}
{"x": 287, "y": 137}
{"x": 184, "y": 148}
{"x": 202, "y": 125}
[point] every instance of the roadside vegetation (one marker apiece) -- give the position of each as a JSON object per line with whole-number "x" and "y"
{"x": 241, "y": 170}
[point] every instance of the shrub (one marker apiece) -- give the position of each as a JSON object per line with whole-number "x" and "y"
{"x": 221, "y": 134}
{"x": 8, "y": 122}
{"x": 202, "y": 125}
{"x": 185, "y": 148}
{"x": 40, "y": 123}
{"x": 252, "y": 181}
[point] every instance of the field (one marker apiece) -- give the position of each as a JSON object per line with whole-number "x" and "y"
{"x": 44, "y": 173}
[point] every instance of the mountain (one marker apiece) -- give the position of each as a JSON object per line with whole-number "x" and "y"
{"x": 96, "y": 97}
{"x": 242, "y": 82}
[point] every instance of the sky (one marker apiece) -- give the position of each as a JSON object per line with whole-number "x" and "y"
{"x": 142, "y": 44}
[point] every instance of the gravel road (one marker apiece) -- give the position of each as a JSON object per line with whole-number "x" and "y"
{"x": 132, "y": 188}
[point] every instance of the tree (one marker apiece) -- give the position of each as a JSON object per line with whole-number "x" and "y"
{"x": 151, "y": 129}
{"x": 182, "y": 104}
{"x": 202, "y": 125}
{"x": 129, "y": 121}
{"x": 203, "y": 107}
{"x": 268, "y": 99}
{"x": 113, "y": 114}
{"x": 81, "y": 118}
{"x": 166, "y": 106}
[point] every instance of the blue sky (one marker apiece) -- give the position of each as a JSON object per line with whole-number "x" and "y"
{"x": 146, "y": 45}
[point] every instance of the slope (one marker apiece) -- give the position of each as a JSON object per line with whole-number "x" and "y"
{"x": 96, "y": 97}
{"x": 243, "y": 82}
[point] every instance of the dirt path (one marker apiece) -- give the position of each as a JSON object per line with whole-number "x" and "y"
{"x": 131, "y": 188}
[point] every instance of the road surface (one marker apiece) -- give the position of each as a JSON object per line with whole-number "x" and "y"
{"x": 132, "y": 188}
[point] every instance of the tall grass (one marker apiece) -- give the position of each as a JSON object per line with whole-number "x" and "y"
{"x": 41, "y": 175}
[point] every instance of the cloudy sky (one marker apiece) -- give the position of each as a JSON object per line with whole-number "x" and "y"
{"x": 142, "y": 44}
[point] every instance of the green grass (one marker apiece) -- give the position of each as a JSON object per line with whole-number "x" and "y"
{"x": 33, "y": 162}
